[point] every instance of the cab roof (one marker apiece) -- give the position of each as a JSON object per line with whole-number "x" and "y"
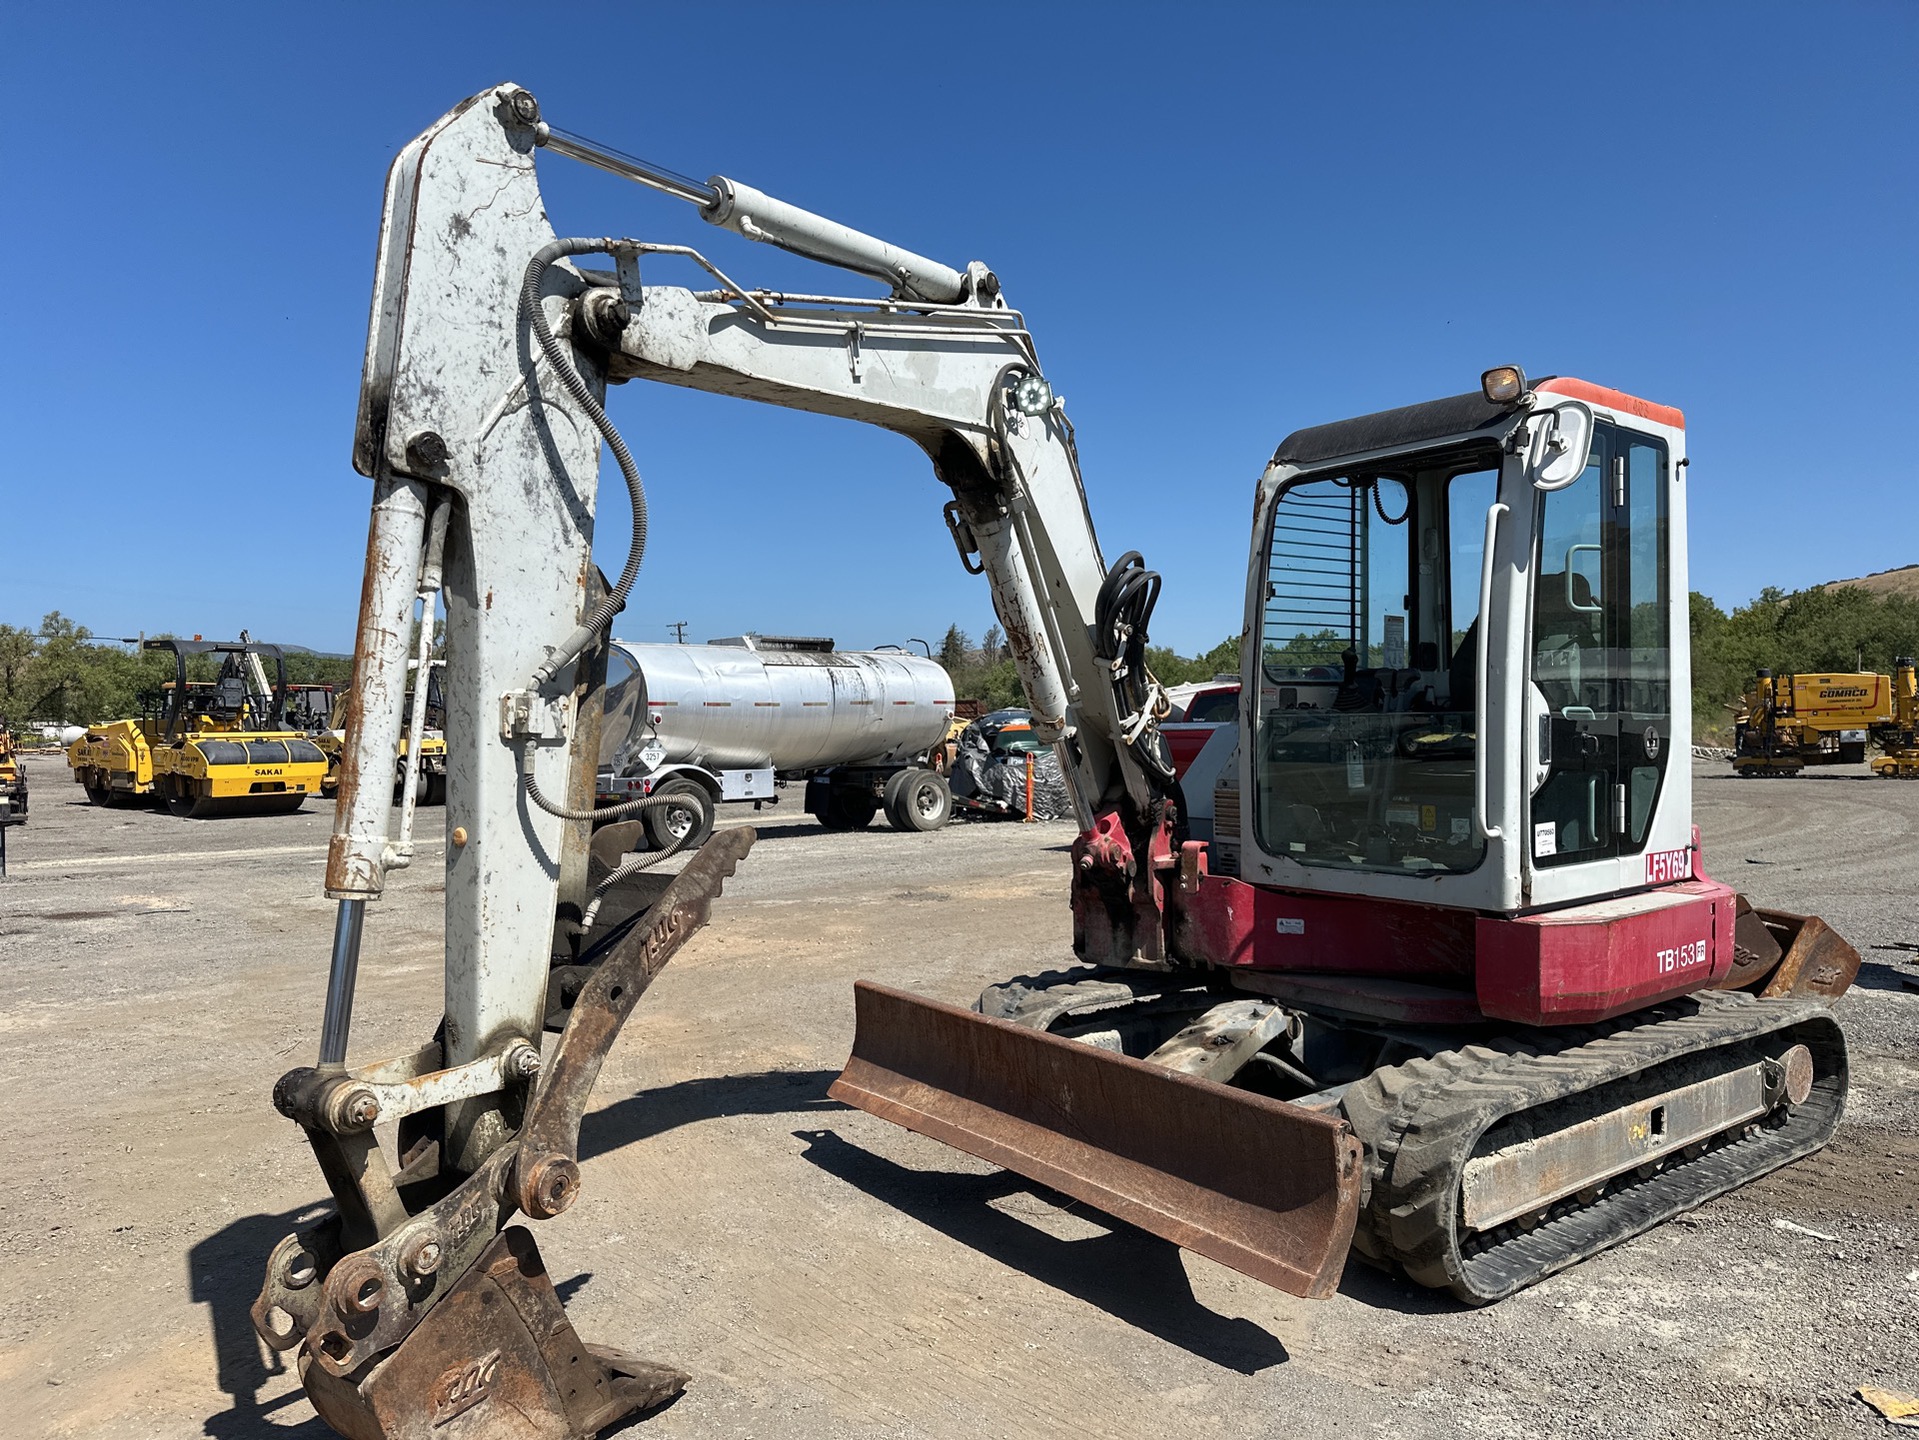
{"x": 1443, "y": 419}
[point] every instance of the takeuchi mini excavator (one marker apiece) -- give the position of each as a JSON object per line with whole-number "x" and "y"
{"x": 1448, "y": 985}
{"x": 219, "y": 747}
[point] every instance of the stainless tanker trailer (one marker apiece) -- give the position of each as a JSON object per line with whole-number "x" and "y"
{"x": 727, "y": 721}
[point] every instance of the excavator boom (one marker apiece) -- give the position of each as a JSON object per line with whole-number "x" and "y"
{"x": 481, "y": 422}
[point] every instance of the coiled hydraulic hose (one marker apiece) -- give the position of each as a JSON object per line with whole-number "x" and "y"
{"x": 1120, "y": 616}
{"x": 535, "y": 316}
{"x": 631, "y": 865}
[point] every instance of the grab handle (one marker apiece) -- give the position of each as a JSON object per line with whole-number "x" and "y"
{"x": 1486, "y": 832}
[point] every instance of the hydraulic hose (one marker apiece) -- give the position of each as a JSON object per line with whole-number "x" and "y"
{"x": 621, "y": 811}
{"x": 535, "y": 315}
{"x": 630, "y": 866}
{"x": 1120, "y": 616}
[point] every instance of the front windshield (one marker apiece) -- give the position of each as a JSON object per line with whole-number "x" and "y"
{"x": 1365, "y": 731}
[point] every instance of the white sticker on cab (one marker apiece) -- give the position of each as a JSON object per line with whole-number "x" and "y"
{"x": 1545, "y": 838}
{"x": 1291, "y": 927}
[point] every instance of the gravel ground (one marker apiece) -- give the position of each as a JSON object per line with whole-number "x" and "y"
{"x": 820, "y": 1272}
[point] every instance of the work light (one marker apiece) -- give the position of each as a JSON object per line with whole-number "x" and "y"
{"x": 1503, "y": 384}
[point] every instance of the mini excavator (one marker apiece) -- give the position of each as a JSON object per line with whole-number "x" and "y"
{"x": 1446, "y": 983}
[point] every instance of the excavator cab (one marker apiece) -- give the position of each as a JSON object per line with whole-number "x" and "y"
{"x": 1500, "y": 612}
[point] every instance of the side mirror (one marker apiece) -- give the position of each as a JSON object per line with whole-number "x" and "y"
{"x": 1561, "y": 442}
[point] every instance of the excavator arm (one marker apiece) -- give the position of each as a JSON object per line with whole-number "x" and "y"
{"x": 491, "y": 343}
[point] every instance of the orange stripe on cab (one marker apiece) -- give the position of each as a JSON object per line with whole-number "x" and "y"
{"x": 1613, "y": 400}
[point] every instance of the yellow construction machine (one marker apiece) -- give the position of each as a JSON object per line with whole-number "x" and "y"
{"x": 1900, "y": 740}
{"x": 219, "y": 747}
{"x": 1787, "y": 722}
{"x": 332, "y": 740}
{"x": 13, "y": 781}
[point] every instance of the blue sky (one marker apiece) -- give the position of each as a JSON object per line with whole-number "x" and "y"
{"x": 1222, "y": 222}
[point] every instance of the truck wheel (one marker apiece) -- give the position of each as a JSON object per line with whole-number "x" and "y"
{"x": 893, "y": 783}
{"x": 688, "y": 820}
{"x": 848, "y": 810}
{"x": 96, "y": 788}
{"x": 920, "y": 801}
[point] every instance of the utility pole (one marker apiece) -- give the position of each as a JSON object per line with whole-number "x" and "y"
{"x": 678, "y": 627}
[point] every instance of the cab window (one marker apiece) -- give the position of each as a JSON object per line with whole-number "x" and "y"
{"x": 1365, "y": 720}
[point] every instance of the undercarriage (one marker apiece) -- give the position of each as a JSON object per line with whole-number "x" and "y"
{"x": 1491, "y": 1155}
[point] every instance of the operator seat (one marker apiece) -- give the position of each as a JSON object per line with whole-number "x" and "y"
{"x": 1565, "y": 627}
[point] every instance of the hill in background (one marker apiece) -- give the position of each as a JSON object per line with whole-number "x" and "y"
{"x": 1903, "y": 581}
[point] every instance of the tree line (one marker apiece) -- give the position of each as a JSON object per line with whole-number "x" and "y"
{"x": 984, "y": 672}
{"x": 63, "y": 674}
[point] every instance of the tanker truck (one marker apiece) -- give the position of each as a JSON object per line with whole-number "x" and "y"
{"x": 729, "y": 721}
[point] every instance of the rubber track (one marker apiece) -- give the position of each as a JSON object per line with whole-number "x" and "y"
{"x": 1420, "y": 1121}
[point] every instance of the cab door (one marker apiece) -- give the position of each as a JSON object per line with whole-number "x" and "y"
{"x": 1601, "y": 667}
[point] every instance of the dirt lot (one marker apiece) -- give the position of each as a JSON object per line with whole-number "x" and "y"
{"x": 820, "y": 1272}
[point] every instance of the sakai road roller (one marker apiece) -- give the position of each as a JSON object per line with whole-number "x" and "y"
{"x": 219, "y": 747}
{"x": 1449, "y": 985}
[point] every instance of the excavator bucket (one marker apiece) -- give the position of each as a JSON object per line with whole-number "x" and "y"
{"x": 1271, "y": 1189}
{"x": 497, "y": 1359}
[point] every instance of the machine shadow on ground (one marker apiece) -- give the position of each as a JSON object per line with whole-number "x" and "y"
{"x": 1135, "y": 1277}
{"x": 654, "y": 1112}
{"x": 1380, "y": 1291}
{"x": 1879, "y": 975}
{"x": 225, "y": 1269}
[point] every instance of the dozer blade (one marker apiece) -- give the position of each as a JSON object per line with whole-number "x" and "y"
{"x": 1268, "y": 1188}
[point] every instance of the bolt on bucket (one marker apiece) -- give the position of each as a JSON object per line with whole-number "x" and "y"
{"x": 1268, "y": 1188}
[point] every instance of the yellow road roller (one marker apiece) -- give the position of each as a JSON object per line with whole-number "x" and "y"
{"x": 220, "y": 747}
